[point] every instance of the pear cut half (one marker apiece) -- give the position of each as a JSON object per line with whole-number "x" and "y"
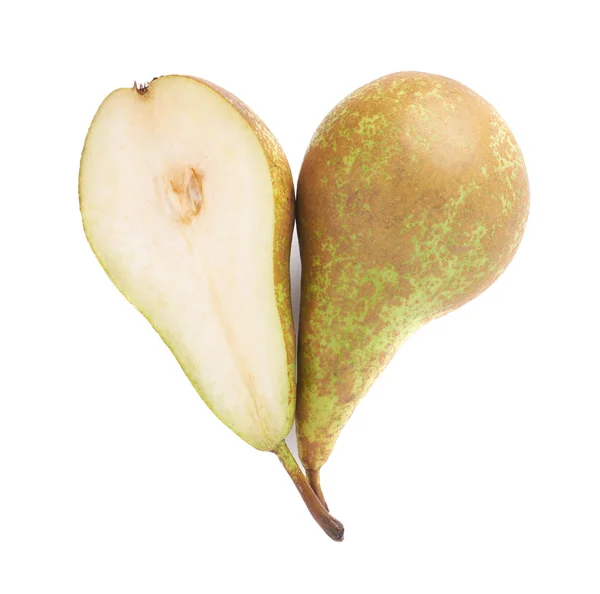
{"x": 187, "y": 201}
{"x": 179, "y": 206}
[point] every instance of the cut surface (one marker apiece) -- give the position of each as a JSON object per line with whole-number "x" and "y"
{"x": 178, "y": 206}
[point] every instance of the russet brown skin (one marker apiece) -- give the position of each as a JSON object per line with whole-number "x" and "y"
{"x": 412, "y": 200}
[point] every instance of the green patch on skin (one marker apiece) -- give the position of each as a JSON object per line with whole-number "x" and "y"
{"x": 370, "y": 127}
{"x": 349, "y": 160}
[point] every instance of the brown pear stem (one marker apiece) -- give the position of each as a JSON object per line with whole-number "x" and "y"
{"x": 332, "y": 527}
{"x": 314, "y": 480}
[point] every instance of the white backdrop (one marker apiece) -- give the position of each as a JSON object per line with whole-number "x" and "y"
{"x": 472, "y": 465}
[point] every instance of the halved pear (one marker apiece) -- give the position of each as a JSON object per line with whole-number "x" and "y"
{"x": 188, "y": 203}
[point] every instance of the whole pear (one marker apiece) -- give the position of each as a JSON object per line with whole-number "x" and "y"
{"x": 412, "y": 200}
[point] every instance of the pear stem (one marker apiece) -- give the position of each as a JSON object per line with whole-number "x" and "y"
{"x": 314, "y": 480}
{"x": 332, "y": 527}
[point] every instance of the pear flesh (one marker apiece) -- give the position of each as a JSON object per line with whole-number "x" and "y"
{"x": 412, "y": 200}
{"x": 187, "y": 201}
{"x": 178, "y": 205}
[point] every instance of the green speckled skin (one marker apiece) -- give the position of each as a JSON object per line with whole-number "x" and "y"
{"x": 412, "y": 200}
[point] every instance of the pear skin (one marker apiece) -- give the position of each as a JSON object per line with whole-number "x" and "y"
{"x": 412, "y": 200}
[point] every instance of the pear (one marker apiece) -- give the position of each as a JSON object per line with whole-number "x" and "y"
{"x": 187, "y": 201}
{"x": 412, "y": 200}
